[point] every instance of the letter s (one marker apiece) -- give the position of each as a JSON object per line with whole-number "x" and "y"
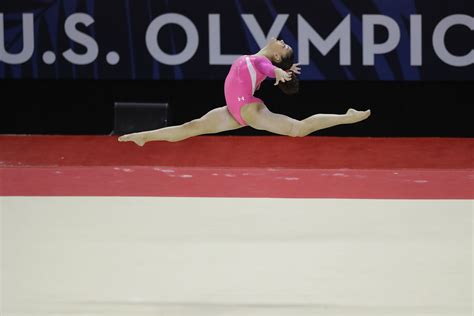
{"x": 81, "y": 38}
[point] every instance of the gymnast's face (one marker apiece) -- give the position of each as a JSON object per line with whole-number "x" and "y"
{"x": 279, "y": 49}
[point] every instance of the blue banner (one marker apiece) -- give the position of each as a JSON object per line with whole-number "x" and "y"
{"x": 182, "y": 39}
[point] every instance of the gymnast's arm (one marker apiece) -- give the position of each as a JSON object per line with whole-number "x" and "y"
{"x": 264, "y": 66}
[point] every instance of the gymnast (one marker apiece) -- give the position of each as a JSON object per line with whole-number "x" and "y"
{"x": 247, "y": 72}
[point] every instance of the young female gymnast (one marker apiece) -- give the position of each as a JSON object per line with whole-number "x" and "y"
{"x": 246, "y": 74}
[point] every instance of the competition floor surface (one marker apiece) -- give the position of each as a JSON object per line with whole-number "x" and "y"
{"x": 222, "y": 225}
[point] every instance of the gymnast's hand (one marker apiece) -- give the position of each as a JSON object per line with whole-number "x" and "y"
{"x": 296, "y": 69}
{"x": 281, "y": 76}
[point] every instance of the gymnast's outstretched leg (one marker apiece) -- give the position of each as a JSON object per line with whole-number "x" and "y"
{"x": 259, "y": 117}
{"x": 215, "y": 121}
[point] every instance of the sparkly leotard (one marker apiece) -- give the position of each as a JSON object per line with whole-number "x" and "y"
{"x": 244, "y": 78}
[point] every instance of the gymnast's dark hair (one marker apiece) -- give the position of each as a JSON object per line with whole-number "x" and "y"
{"x": 292, "y": 86}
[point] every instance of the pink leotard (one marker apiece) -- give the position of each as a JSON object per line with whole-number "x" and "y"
{"x": 244, "y": 78}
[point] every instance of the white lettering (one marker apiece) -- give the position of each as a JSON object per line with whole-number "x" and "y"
{"x": 80, "y": 38}
{"x": 257, "y": 32}
{"x": 28, "y": 41}
{"x": 191, "y": 34}
{"x": 215, "y": 56}
{"x": 370, "y": 49}
{"x": 341, "y": 34}
{"x": 439, "y": 44}
{"x": 416, "y": 51}
{"x": 307, "y": 38}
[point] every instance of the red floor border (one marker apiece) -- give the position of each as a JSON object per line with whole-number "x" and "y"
{"x": 241, "y": 152}
{"x": 216, "y": 166}
{"x": 237, "y": 182}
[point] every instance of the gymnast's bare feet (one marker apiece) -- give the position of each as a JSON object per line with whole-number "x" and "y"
{"x": 137, "y": 138}
{"x": 354, "y": 116}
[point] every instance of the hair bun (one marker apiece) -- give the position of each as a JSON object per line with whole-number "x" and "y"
{"x": 292, "y": 86}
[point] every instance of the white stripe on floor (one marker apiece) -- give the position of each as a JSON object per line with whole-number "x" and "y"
{"x": 219, "y": 256}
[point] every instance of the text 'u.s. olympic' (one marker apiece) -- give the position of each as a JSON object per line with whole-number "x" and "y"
{"x": 307, "y": 38}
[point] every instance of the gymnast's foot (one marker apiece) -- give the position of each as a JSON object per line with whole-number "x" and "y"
{"x": 354, "y": 116}
{"x": 137, "y": 138}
